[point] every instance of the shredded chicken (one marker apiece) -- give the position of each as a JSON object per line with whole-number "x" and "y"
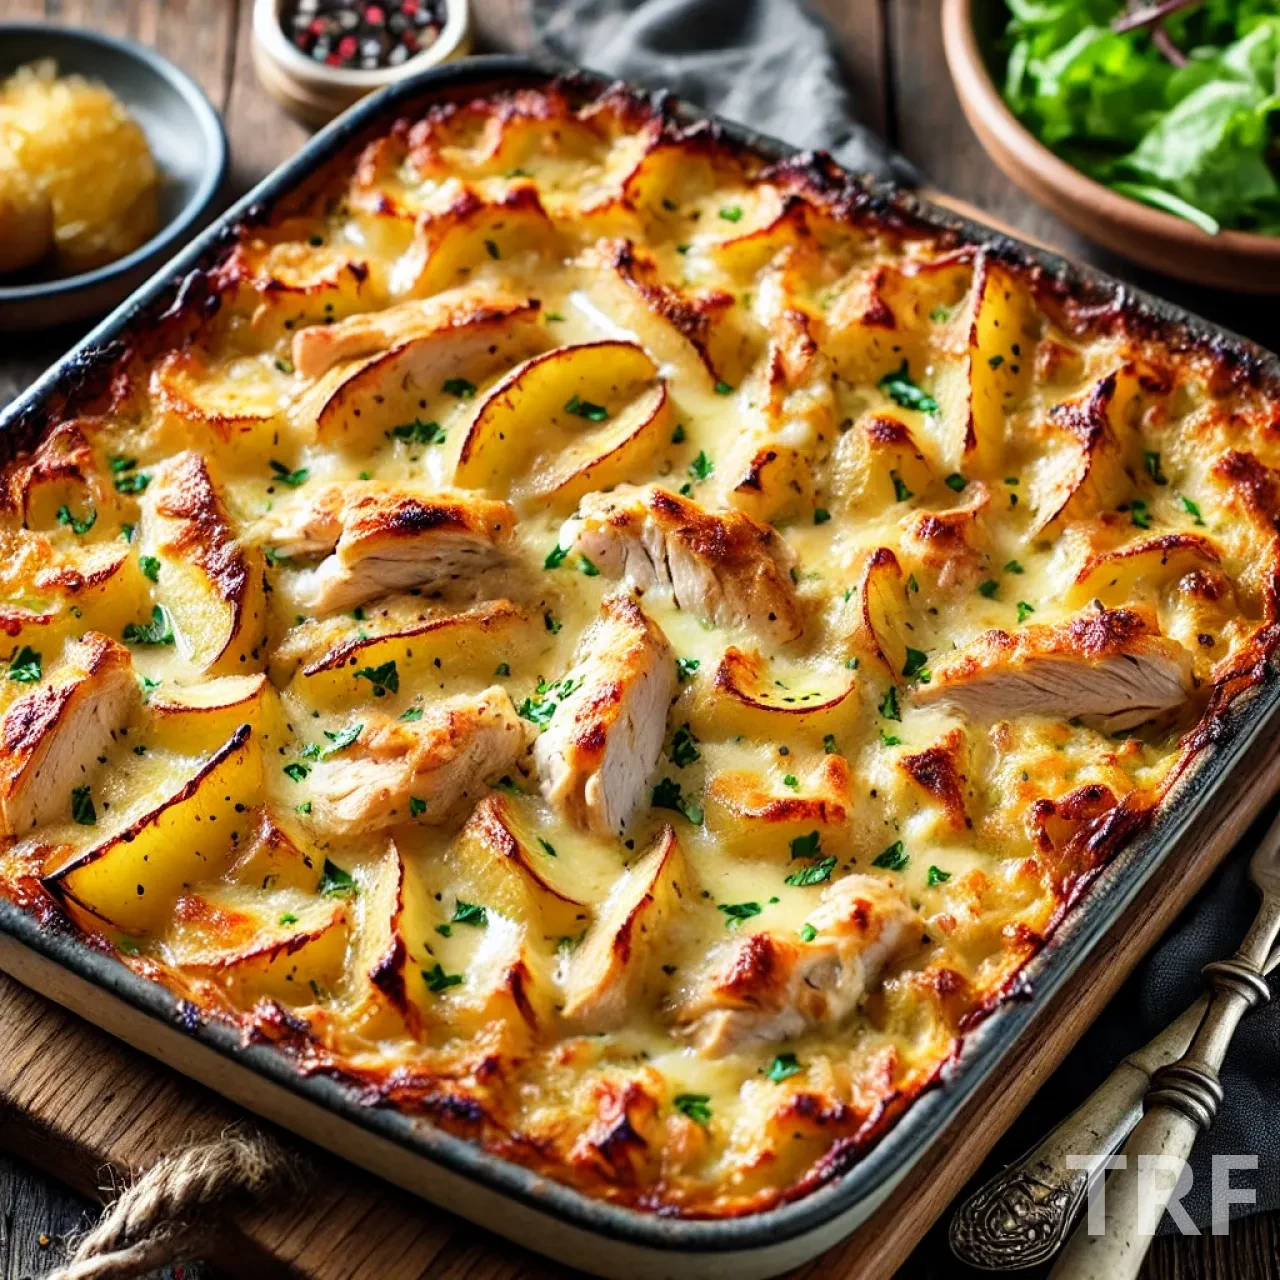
{"x": 1111, "y": 668}
{"x": 766, "y": 987}
{"x": 51, "y": 738}
{"x": 723, "y": 566}
{"x": 426, "y": 770}
{"x": 605, "y": 736}
{"x": 381, "y": 540}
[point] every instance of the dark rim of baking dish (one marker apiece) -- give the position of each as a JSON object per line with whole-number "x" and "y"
{"x": 877, "y": 1170}
{"x": 172, "y": 231}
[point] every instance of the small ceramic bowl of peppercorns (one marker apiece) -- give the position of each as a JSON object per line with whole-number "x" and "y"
{"x": 319, "y": 56}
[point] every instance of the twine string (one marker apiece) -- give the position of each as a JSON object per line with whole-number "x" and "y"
{"x": 170, "y": 1213}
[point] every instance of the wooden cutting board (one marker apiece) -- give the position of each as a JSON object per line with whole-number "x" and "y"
{"x": 89, "y": 1110}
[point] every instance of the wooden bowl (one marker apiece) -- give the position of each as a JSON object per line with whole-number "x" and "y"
{"x": 1232, "y": 260}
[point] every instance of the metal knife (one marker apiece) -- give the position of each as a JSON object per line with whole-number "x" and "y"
{"x": 1021, "y": 1216}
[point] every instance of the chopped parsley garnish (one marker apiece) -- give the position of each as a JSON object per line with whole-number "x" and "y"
{"x": 126, "y": 531}
{"x": 791, "y": 781}
{"x": 285, "y": 366}
{"x": 829, "y": 747}
{"x": 889, "y": 705}
{"x": 297, "y": 770}
{"x": 723, "y": 388}
{"x": 150, "y": 567}
{"x": 461, "y": 388}
{"x": 82, "y": 810}
{"x": 417, "y": 806}
{"x": 274, "y": 558}
{"x": 588, "y": 568}
{"x": 78, "y": 527}
{"x": 901, "y": 390}
{"x": 288, "y": 918}
{"x": 684, "y": 748}
{"x": 547, "y": 847}
{"x": 939, "y": 315}
{"x": 292, "y": 478}
{"x": 437, "y": 980}
{"x": 809, "y": 846}
{"x": 912, "y": 584}
{"x": 502, "y": 669}
{"x": 415, "y": 713}
{"x": 936, "y": 876}
{"x": 1139, "y": 514}
{"x": 697, "y": 1106}
{"x": 304, "y": 807}
{"x": 1152, "y": 460}
{"x": 335, "y": 882}
{"x": 732, "y": 213}
{"x": 736, "y": 912}
{"x": 1192, "y": 509}
{"x": 541, "y": 706}
{"x": 821, "y": 515}
{"x": 1025, "y": 610}
{"x": 554, "y": 317}
{"x": 26, "y": 666}
{"x": 889, "y": 739}
{"x": 995, "y": 361}
{"x": 119, "y": 464}
{"x": 126, "y": 479}
{"x": 385, "y": 678}
{"x": 988, "y": 588}
{"x": 445, "y": 930}
{"x": 667, "y": 795}
{"x": 552, "y": 623}
{"x": 686, "y": 668}
{"x": 702, "y": 466}
{"x": 341, "y": 740}
{"x": 784, "y": 1066}
{"x": 1014, "y": 567}
{"x": 158, "y": 631}
{"x": 956, "y": 482}
{"x": 470, "y": 913}
{"x": 678, "y": 436}
{"x": 900, "y": 491}
{"x": 915, "y": 663}
{"x": 807, "y": 933}
{"x": 818, "y": 873}
{"x": 893, "y": 858}
{"x": 586, "y": 409}
{"x": 418, "y": 432}
{"x": 555, "y": 557}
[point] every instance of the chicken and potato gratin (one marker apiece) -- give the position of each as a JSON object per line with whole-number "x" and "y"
{"x": 620, "y": 648}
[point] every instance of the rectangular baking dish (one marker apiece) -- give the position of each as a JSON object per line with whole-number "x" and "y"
{"x": 553, "y": 1219}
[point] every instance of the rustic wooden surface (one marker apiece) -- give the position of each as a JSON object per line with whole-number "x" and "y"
{"x": 892, "y": 50}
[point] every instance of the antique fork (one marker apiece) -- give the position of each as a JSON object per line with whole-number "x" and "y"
{"x": 1183, "y": 1098}
{"x": 1020, "y": 1216}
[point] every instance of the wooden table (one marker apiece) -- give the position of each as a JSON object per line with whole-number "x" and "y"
{"x": 893, "y": 52}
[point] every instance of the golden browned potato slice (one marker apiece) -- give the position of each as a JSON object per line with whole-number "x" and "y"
{"x": 614, "y": 966}
{"x": 749, "y": 695}
{"x": 879, "y": 606}
{"x": 132, "y": 878}
{"x": 197, "y": 717}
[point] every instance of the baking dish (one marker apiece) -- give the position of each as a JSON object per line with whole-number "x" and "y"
{"x": 611, "y": 1240}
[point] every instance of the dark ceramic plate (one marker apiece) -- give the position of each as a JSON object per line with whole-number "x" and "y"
{"x": 185, "y": 136}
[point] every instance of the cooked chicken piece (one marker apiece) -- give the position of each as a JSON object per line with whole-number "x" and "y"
{"x": 318, "y": 347}
{"x": 721, "y": 565}
{"x": 599, "y": 748}
{"x": 766, "y": 987}
{"x": 384, "y": 540}
{"x": 1111, "y": 668}
{"x": 427, "y": 769}
{"x": 51, "y": 738}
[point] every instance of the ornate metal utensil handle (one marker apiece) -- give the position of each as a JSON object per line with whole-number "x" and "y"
{"x": 1183, "y": 1099}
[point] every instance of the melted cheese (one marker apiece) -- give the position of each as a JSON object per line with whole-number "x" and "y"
{"x": 945, "y": 444}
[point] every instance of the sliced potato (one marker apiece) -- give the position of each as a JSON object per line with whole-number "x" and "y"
{"x": 752, "y": 818}
{"x": 1140, "y": 569}
{"x": 776, "y": 484}
{"x": 132, "y": 878}
{"x": 879, "y": 605}
{"x": 615, "y": 964}
{"x": 211, "y": 584}
{"x": 750, "y": 696}
{"x": 877, "y": 463}
{"x": 197, "y": 717}
{"x": 577, "y": 418}
{"x": 277, "y": 855}
{"x": 499, "y": 861}
{"x": 283, "y": 944}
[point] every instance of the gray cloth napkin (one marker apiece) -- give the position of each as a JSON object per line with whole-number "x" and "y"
{"x": 763, "y": 63}
{"x": 768, "y": 64}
